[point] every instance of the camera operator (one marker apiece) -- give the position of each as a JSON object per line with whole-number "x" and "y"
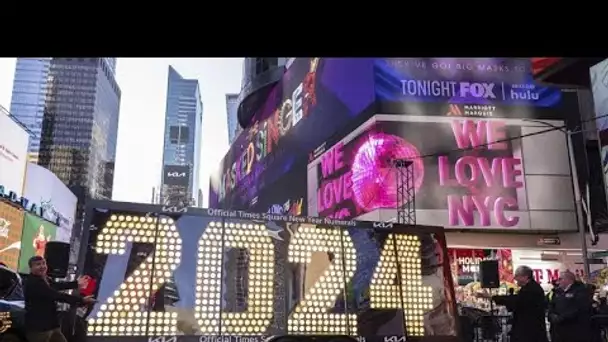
{"x": 41, "y": 297}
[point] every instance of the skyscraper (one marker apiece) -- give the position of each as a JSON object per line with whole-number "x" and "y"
{"x": 80, "y": 125}
{"x": 232, "y": 103}
{"x": 29, "y": 92}
{"x": 182, "y": 141}
{"x": 72, "y": 106}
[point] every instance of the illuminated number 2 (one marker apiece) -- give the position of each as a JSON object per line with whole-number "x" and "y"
{"x": 384, "y": 294}
{"x": 125, "y": 313}
{"x": 255, "y": 239}
{"x": 312, "y": 316}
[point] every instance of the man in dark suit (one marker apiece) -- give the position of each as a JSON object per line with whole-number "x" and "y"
{"x": 41, "y": 297}
{"x": 570, "y": 310}
{"x": 528, "y": 308}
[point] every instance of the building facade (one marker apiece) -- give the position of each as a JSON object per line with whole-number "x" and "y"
{"x": 486, "y": 163}
{"x": 27, "y": 102}
{"x": 182, "y": 141}
{"x": 231, "y": 114}
{"x": 260, "y": 74}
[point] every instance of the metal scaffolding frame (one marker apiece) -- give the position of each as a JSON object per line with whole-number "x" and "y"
{"x": 406, "y": 191}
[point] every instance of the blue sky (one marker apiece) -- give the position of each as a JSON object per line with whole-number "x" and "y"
{"x": 143, "y": 82}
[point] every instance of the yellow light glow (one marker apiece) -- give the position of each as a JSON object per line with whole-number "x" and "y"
{"x": 132, "y": 297}
{"x": 312, "y": 315}
{"x": 259, "y": 314}
{"x": 384, "y": 294}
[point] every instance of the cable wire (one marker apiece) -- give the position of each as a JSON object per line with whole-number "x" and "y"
{"x": 519, "y": 137}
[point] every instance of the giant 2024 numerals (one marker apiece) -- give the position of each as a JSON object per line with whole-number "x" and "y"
{"x": 124, "y": 313}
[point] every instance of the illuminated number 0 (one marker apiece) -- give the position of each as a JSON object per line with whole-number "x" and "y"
{"x": 384, "y": 294}
{"x": 312, "y": 316}
{"x": 125, "y": 313}
{"x": 258, "y": 317}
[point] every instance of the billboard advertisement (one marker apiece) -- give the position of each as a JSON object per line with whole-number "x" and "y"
{"x": 36, "y": 233}
{"x": 292, "y": 122}
{"x": 416, "y": 86}
{"x": 11, "y": 223}
{"x": 13, "y": 155}
{"x": 599, "y": 87}
{"x": 56, "y": 201}
{"x": 467, "y": 172}
{"x": 176, "y": 175}
{"x": 317, "y": 99}
{"x": 342, "y": 271}
{"x": 286, "y": 196}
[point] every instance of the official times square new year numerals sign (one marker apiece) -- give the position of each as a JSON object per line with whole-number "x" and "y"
{"x": 245, "y": 274}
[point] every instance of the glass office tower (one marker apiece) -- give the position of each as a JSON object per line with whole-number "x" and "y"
{"x": 232, "y": 104}
{"x": 182, "y": 141}
{"x": 27, "y": 102}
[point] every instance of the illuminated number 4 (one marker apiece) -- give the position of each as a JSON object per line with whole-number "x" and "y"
{"x": 384, "y": 290}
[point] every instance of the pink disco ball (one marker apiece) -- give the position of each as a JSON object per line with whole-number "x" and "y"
{"x": 373, "y": 177}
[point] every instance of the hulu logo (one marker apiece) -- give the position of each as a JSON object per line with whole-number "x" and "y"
{"x": 524, "y": 94}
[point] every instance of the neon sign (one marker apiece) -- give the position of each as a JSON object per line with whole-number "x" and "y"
{"x": 263, "y": 137}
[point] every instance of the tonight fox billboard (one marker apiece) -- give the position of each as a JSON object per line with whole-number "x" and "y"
{"x": 340, "y": 94}
{"x": 465, "y": 174}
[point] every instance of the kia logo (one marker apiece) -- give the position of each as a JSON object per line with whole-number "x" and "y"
{"x": 176, "y": 174}
{"x": 394, "y": 339}
{"x": 385, "y": 225}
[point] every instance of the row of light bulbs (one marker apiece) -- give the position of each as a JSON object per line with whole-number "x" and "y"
{"x": 123, "y": 312}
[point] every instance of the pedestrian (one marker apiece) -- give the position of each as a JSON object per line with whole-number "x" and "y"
{"x": 528, "y": 307}
{"x": 41, "y": 297}
{"x": 570, "y": 310}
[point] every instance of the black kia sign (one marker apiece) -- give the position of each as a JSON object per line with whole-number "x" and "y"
{"x": 176, "y": 175}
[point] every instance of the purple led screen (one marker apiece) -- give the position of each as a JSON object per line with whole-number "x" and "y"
{"x": 291, "y": 123}
{"x": 323, "y": 99}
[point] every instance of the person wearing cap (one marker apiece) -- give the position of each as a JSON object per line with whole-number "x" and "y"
{"x": 570, "y": 310}
{"x": 41, "y": 297}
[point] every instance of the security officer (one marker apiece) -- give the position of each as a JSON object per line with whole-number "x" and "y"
{"x": 570, "y": 310}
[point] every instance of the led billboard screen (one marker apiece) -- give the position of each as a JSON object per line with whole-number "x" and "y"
{"x": 292, "y": 121}
{"x": 206, "y": 272}
{"x": 317, "y": 100}
{"x": 11, "y": 223}
{"x": 36, "y": 234}
{"x": 58, "y": 203}
{"x": 599, "y": 86}
{"x": 13, "y": 155}
{"x": 176, "y": 175}
{"x": 467, "y": 173}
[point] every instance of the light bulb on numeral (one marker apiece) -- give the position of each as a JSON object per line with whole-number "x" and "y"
{"x": 312, "y": 316}
{"x": 259, "y": 314}
{"x": 125, "y": 312}
{"x": 384, "y": 294}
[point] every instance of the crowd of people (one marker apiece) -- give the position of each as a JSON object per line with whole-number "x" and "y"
{"x": 568, "y": 309}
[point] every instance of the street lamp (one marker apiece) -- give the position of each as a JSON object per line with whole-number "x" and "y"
{"x": 577, "y": 193}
